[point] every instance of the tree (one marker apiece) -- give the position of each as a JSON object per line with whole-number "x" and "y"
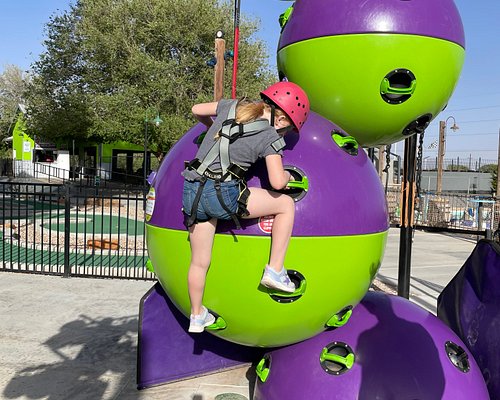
{"x": 491, "y": 169}
{"x": 488, "y": 168}
{"x": 13, "y": 83}
{"x": 111, "y": 64}
{"x": 457, "y": 168}
{"x": 494, "y": 181}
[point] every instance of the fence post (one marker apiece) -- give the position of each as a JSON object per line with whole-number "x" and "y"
{"x": 480, "y": 218}
{"x": 67, "y": 207}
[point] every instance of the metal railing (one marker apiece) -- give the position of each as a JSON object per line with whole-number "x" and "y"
{"x": 83, "y": 176}
{"x": 55, "y": 229}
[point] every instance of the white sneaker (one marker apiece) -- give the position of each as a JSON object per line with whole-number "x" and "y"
{"x": 197, "y": 323}
{"x": 277, "y": 280}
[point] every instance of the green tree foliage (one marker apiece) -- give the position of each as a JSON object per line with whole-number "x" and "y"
{"x": 493, "y": 170}
{"x": 111, "y": 64}
{"x": 494, "y": 181}
{"x": 457, "y": 168}
{"x": 13, "y": 82}
{"x": 488, "y": 168}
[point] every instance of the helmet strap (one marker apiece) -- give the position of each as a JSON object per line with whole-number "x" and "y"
{"x": 286, "y": 129}
{"x": 273, "y": 113}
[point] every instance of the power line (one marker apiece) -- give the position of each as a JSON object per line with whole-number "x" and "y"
{"x": 465, "y": 135}
{"x": 473, "y": 108}
{"x": 479, "y": 120}
{"x": 465, "y": 151}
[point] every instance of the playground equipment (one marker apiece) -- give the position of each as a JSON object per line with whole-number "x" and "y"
{"x": 469, "y": 305}
{"x": 337, "y": 245}
{"x": 381, "y": 70}
{"x": 390, "y": 349}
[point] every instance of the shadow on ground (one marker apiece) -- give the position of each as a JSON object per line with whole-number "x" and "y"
{"x": 91, "y": 351}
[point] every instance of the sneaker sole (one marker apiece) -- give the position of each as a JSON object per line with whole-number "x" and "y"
{"x": 270, "y": 284}
{"x": 200, "y": 329}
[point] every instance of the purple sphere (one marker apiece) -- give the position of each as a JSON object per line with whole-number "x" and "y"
{"x": 398, "y": 351}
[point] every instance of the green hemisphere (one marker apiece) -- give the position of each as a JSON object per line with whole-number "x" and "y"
{"x": 344, "y": 76}
{"x": 338, "y": 272}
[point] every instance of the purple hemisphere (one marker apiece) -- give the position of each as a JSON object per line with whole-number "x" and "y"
{"x": 344, "y": 197}
{"x": 320, "y": 18}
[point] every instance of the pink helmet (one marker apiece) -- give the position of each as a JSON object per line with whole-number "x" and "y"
{"x": 291, "y": 99}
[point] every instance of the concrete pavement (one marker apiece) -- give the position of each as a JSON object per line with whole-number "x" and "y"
{"x": 76, "y": 338}
{"x": 436, "y": 258}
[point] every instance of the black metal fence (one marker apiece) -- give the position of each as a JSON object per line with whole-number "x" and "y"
{"x": 72, "y": 230}
{"x": 67, "y": 230}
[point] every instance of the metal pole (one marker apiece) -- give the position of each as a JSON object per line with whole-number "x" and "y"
{"x": 407, "y": 213}
{"x": 145, "y": 182}
{"x": 220, "y": 48}
{"x": 67, "y": 221}
{"x": 381, "y": 162}
{"x": 498, "y": 166}
{"x": 236, "y": 45}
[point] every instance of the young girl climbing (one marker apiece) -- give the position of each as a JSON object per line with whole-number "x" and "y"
{"x": 214, "y": 187}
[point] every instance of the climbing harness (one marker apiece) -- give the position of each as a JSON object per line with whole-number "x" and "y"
{"x": 230, "y": 131}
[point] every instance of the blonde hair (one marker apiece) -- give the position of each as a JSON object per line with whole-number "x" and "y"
{"x": 248, "y": 111}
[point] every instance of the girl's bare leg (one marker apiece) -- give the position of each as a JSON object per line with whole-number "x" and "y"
{"x": 201, "y": 238}
{"x": 264, "y": 202}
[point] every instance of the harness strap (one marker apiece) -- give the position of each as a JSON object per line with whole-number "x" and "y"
{"x": 243, "y": 200}
{"x": 279, "y": 144}
{"x": 224, "y": 206}
{"x": 230, "y": 131}
{"x": 194, "y": 209}
{"x": 234, "y": 171}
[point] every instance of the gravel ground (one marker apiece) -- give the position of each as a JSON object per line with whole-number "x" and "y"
{"x": 30, "y": 233}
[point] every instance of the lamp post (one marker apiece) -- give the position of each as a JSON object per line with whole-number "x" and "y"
{"x": 441, "y": 150}
{"x": 157, "y": 121}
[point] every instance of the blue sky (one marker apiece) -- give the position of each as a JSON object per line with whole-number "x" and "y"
{"x": 475, "y": 104}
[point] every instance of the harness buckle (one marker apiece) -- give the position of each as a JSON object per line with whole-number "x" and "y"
{"x": 229, "y": 121}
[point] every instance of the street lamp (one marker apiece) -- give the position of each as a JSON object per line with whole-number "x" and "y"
{"x": 157, "y": 121}
{"x": 441, "y": 150}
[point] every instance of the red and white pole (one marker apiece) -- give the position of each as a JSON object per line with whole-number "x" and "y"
{"x": 236, "y": 45}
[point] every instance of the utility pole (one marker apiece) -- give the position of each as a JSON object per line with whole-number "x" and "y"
{"x": 381, "y": 162}
{"x": 498, "y": 166}
{"x": 220, "y": 49}
{"x": 441, "y": 150}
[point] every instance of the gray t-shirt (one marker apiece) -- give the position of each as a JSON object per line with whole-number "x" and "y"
{"x": 244, "y": 151}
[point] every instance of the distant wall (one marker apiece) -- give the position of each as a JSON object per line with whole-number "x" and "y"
{"x": 467, "y": 182}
